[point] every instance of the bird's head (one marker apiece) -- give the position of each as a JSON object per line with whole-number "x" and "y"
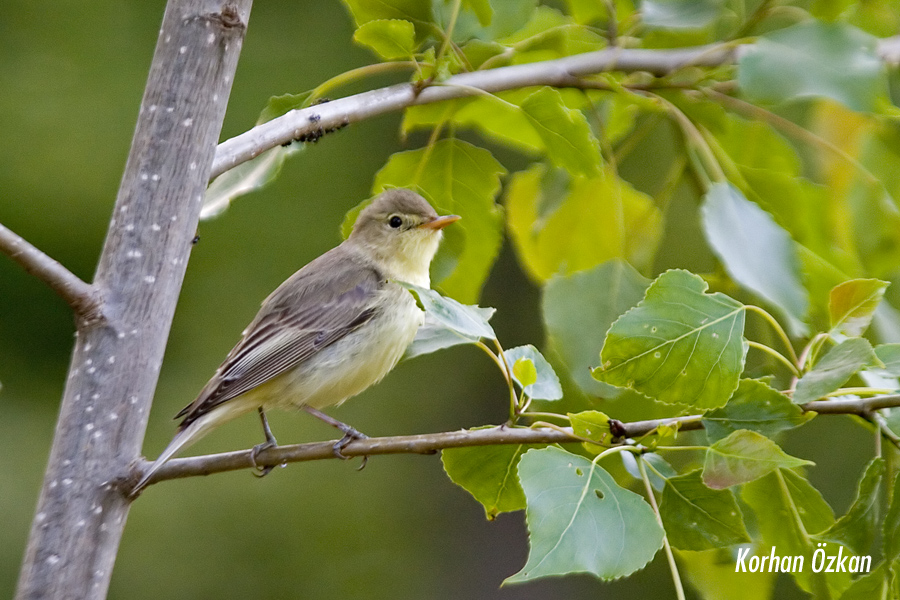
{"x": 401, "y": 231}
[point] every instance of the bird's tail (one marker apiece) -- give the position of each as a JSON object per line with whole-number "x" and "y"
{"x": 184, "y": 437}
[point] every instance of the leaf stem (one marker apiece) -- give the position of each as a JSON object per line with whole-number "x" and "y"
{"x": 513, "y": 405}
{"x": 448, "y": 35}
{"x": 360, "y": 73}
{"x": 775, "y": 354}
{"x": 781, "y": 333}
{"x": 670, "y": 557}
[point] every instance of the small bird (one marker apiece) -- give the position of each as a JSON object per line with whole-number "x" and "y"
{"x": 334, "y": 328}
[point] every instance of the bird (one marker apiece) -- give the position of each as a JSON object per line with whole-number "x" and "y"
{"x": 331, "y": 330}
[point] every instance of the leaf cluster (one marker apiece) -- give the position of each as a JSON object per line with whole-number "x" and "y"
{"x": 773, "y": 176}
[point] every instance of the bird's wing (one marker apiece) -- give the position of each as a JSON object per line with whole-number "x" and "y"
{"x": 310, "y": 311}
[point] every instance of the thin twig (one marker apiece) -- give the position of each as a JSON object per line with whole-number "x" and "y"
{"x": 670, "y": 557}
{"x": 81, "y": 296}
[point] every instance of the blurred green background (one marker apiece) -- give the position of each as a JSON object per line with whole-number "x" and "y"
{"x": 72, "y": 77}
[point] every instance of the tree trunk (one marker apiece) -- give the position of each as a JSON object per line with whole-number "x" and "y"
{"x": 115, "y": 364}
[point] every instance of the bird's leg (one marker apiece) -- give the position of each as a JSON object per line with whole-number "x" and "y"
{"x": 269, "y": 443}
{"x": 350, "y": 433}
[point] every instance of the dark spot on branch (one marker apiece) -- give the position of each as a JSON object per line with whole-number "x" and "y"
{"x": 617, "y": 428}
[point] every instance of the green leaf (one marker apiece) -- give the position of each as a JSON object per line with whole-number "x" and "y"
{"x": 565, "y": 132}
{"x": 678, "y": 345}
{"x": 744, "y": 456}
{"x": 712, "y": 574}
{"x": 560, "y": 225}
{"x": 433, "y": 335}
{"x": 788, "y": 511}
{"x": 580, "y": 521}
{"x": 733, "y": 225}
{"x": 244, "y": 179}
{"x": 489, "y": 474}
{"x": 698, "y": 518}
{"x": 587, "y": 11}
{"x": 259, "y": 171}
{"x": 875, "y": 585}
{"x": 391, "y": 39}
{"x": 654, "y": 460}
{"x": 889, "y": 354}
{"x": 852, "y": 304}
{"x": 829, "y": 10}
{"x": 460, "y": 179}
{"x": 680, "y": 14}
{"x": 756, "y": 407}
{"x": 498, "y": 117}
{"x": 890, "y": 529}
{"x": 524, "y": 372}
{"x": 814, "y": 59}
{"x": 467, "y": 321}
{"x": 834, "y": 369}
{"x": 545, "y": 383}
{"x": 419, "y": 12}
{"x": 482, "y": 10}
{"x": 279, "y": 105}
{"x": 579, "y": 309}
{"x": 592, "y": 425}
{"x": 856, "y": 529}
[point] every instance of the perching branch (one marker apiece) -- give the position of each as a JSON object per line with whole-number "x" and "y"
{"x": 81, "y": 296}
{"x": 430, "y": 443}
{"x": 861, "y": 407}
{"x": 562, "y": 72}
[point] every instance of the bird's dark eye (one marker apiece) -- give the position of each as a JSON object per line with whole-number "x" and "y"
{"x": 395, "y": 222}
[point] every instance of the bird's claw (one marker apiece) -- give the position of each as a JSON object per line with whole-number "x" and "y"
{"x": 350, "y": 435}
{"x": 261, "y": 470}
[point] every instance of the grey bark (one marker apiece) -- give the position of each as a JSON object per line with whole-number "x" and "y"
{"x": 115, "y": 364}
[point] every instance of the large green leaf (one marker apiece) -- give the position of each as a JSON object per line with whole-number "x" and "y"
{"x": 789, "y": 510}
{"x": 699, "y": 518}
{"x": 890, "y": 529}
{"x": 498, "y": 117}
{"x": 579, "y": 309}
{"x": 712, "y": 574}
{"x": 561, "y": 225}
{"x": 834, "y": 369}
{"x": 852, "y": 305}
{"x": 546, "y": 383}
{"x": 889, "y": 355}
{"x": 856, "y": 529}
{"x": 259, "y": 171}
{"x": 245, "y": 178}
{"x": 469, "y": 322}
{"x": 680, "y": 14}
{"x": 757, "y": 407}
{"x": 419, "y": 12}
{"x": 814, "y": 59}
{"x": 581, "y": 521}
{"x": 757, "y": 252}
{"x": 461, "y": 179}
{"x": 744, "y": 456}
{"x": 565, "y": 132}
{"x": 391, "y": 39}
{"x": 679, "y": 345}
{"x": 875, "y": 585}
{"x": 489, "y": 474}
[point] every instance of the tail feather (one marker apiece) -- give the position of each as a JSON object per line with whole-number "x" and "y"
{"x": 185, "y": 437}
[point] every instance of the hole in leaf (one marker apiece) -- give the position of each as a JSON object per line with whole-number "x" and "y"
{"x": 599, "y": 494}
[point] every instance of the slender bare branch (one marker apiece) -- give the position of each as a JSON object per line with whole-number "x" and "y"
{"x": 562, "y": 72}
{"x": 81, "y": 296}
{"x": 432, "y": 442}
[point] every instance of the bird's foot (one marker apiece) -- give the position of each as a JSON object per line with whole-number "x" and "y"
{"x": 262, "y": 470}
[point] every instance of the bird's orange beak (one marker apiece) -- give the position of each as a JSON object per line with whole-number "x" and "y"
{"x": 440, "y": 222}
